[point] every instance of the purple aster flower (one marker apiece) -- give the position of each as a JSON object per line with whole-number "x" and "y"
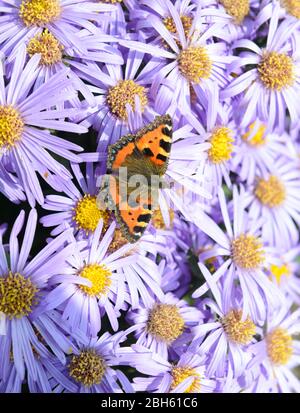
{"x": 92, "y": 283}
{"x": 279, "y": 352}
{"x": 92, "y": 366}
{"x": 77, "y": 208}
{"x": 245, "y": 255}
{"x": 226, "y": 336}
{"x": 272, "y": 85}
{"x": 186, "y": 375}
{"x": 24, "y": 145}
{"x": 219, "y": 133}
{"x": 121, "y": 96}
{"x": 23, "y": 285}
{"x": 21, "y": 20}
{"x": 164, "y": 325}
{"x": 194, "y": 62}
{"x": 274, "y": 198}
{"x": 56, "y": 54}
{"x": 256, "y": 151}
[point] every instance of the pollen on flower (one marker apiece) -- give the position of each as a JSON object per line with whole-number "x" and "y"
{"x": 87, "y": 368}
{"x": 279, "y": 272}
{"x": 256, "y": 138}
{"x": 279, "y": 346}
{"x": 276, "y": 70}
{"x": 292, "y": 7}
{"x": 125, "y": 93}
{"x": 195, "y": 64}
{"x": 179, "y": 374}
{"x": 238, "y": 331}
{"x": 247, "y": 252}
{"x": 39, "y": 12}
{"x": 237, "y": 9}
{"x": 221, "y": 145}
{"x": 87, "y": 214}
{"x": 99, "y": 276}
{"x": 18, "y": 295}
{"x": 158, "y": 220}
{"x": 270, "y": 192}
{"x": 48, "y": 46}
{"x": 11, "y": 126}
{"x": 186, "y": 23}
{"x": 165, "y": 322}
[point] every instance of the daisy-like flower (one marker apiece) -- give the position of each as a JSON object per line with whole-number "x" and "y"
{"x": 245, "y": 257}
{"x": 91, "y": 367}
{"x": 78, "y": 207}
{"x": 164, "y": 325}
{"x": 23, "y": 285}
{"x": 21, "y": 20}
{"x": 191, "y": 61}
{"x": 274, "y": 197}
{"x": 256, "y": 151}
{"x": 272, "y": 85}
{"x": 278, "y": 352}
{"x": 56, "y": 54}
{"x": 286, "y": 273}
{"x": 225, "y": 337}
{"x": 92, "y": 283}
{"x": 186, "y": 375}
{"x": 121, "y": 95}
{"x": 24, "y": 145}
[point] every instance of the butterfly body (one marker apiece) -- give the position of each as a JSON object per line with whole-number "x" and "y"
{"x": 141, "y": 158}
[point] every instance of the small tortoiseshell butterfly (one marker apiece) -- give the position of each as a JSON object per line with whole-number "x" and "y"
{"x": 144, "y": 154}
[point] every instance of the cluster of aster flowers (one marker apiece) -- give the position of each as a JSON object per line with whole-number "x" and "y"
{"x": 207, "y": 300}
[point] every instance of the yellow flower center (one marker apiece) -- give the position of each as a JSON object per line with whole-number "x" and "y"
{"x": 39, "y": 12}
{"x": 270, "y": 192}
{"x": 186, "y": 23}
{"x": 221, "y": 145}
{"x": 280, "y": 271}
{"x": 124, "y": 93}
{"x": 257, "y": 138}
{"x": 195, "y": 64}
{"x": 111, "y": 1}
{"x": 11, "y": 126}
{"x": 87, "y": 368}
{"x": 100, "y": 277}
{"x": 276, "y": 71}
{"x": 179, "y": 374}
{"x": 279, "y": 346}
{"x": 165, "y": 322}
{"x": 17, "y": 295}
{"x": 46, "y": 45}
{"x": 158, "y": 220}
{"x": 237, "y": 331}
{"x": 247, "y": 252}
{"x": 87, "y": 214}
{"x": 237, "y": 9}
{"x": 292, "y": 7}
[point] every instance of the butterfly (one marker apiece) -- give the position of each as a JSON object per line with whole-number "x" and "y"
{"x": 137, "y": 158}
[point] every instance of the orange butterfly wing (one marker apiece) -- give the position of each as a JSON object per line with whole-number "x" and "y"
{"x": 151, "y": 142}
